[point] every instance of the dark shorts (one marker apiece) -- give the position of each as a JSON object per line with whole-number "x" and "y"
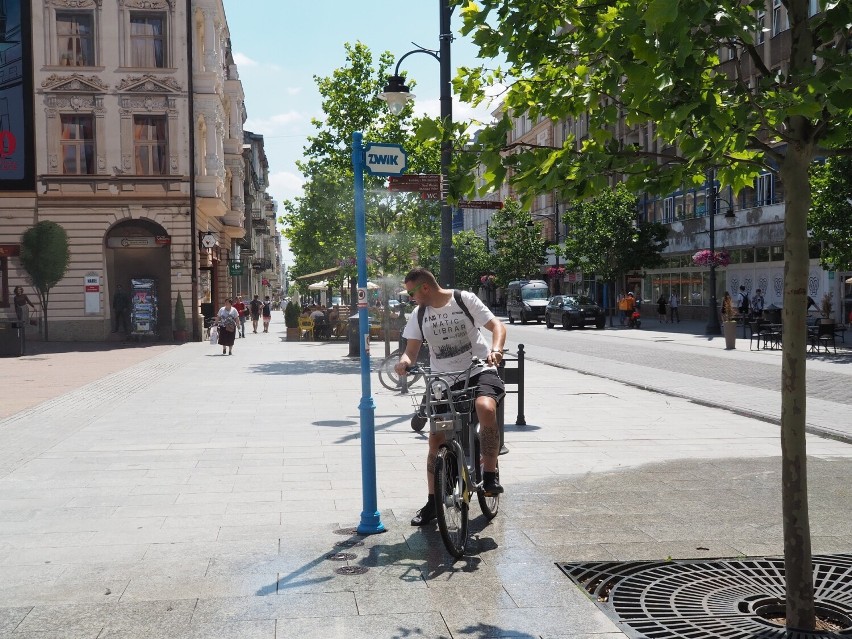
{"x": 488, "y": 384}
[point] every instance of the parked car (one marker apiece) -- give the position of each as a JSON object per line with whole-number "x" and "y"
{"x": 571, "y": 311}
{"x": 525, "y": 300}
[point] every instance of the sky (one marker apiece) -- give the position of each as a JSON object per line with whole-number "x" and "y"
{"x": 280, "y": 45}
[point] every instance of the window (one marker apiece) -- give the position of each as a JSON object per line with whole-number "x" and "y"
{"x": 148, "y": 40}
{"x": 75, "y": 39}
{"x": 763, "y": 190}
{"x": 77, "y": 145}
{"x": 668, "y": 209}
{"x": 777, "y": 25}
{"x": 761, "y": 26}
{"x": 149, "y": 145}
{"x": 813, "y": 8}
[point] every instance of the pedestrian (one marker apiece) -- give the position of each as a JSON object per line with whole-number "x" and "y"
{"x": 267, "y": 313}
{"x": 229, "y": 318}
{"x": 661, "y": 309}
{"x": 450, "y": 321}
{"x": 674, "y": 302}
{"x": 120, "y": 308}
{"x": 240, "y": 305}
{"x": 742, "y": 302}
{"x": 255, "y": 306}
{"x": 757, "y": 304}
{"x": 21, "y": 302}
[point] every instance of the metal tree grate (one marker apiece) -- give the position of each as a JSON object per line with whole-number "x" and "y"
{"x": 724, "y": 599}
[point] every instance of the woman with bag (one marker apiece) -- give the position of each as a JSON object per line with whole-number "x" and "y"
{"x": 228, "y": 318}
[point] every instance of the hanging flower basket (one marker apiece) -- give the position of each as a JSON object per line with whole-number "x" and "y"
{"x": 707, "y": 258}
{"x": 556, "y": 271}
{"x": 488, "y": 281}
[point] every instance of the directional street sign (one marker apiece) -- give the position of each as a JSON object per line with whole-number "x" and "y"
{"x": 480, "y": 204}
{"x": 427, "y": 184}
{"x": 385, "y": 159}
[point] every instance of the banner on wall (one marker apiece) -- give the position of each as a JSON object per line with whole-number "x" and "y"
{"x": 16, "y": 98}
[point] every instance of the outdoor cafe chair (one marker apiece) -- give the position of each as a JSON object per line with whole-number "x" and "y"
{"x": 306, "y": 328}
{"x": 823, "y": 336}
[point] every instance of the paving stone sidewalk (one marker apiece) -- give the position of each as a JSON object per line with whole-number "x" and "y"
{"x": 196, "y": 495}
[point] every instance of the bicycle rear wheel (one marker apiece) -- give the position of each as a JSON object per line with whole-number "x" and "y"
{"x": 489, "y": 504}
{"x": 387, "y": 375}
{"x": 450, "y": 500}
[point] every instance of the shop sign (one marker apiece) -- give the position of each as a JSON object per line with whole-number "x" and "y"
{"x": 162, "y": 240}
{"x": 235, "y": 268}
{"x": 132, "y": 241}
{"x": 10, "y": 250}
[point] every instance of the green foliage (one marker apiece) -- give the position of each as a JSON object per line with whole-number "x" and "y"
{"x": 291, "y": 315}
{"x": 519, "y": 249}
{"x": 45, "y": 255}
{"x": 180, "y": 315}
{"x": 830, "y": 217}
{"x": 603, "y": 236}
{"x": 319, "y": 225}
{"x": 472, "y": 260}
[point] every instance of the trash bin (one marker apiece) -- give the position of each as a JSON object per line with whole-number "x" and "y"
{"x": 354, "y": 334}
{"x": 11, "y": 338}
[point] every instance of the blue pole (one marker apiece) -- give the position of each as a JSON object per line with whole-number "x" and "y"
{"x": 371, "y": 521}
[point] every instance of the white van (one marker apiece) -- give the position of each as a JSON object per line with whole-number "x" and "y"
{"x": 526, "y": 300}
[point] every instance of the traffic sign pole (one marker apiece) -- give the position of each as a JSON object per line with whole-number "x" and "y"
{"x": 371, "y": 521}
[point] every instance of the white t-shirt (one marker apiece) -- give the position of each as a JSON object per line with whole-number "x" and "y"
{"x": 452, "y": 339}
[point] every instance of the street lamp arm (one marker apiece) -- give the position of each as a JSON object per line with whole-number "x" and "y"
{"x": 419, "y": 49}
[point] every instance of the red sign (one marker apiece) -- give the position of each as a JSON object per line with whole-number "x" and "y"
{"x": 92, "y": 289}
{"x": 10, "y": 250}
{"x": 162, "y": 240}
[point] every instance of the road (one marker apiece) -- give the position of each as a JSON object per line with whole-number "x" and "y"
{"x": 680, "y": 360}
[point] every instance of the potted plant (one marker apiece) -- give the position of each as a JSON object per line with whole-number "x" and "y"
{"x": 729, "y": 322}
{"x": 291, "y": 321}
{"x": 827, "y": 306}
{"x": 179, "y": 320}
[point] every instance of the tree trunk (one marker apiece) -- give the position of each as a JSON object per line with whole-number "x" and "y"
{"x": 794, "y": 477}
{"x": 43, "y": 300}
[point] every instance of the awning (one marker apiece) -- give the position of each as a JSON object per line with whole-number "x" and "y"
{"x": 323, "y": 273}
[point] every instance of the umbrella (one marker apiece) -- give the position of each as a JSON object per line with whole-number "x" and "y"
{"x": 372, "y": 286}
{"x": 849, "y": 280}
{"x": 318, "y": 286}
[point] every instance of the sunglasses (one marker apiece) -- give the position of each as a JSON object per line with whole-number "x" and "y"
{"x": 413, "y": 291}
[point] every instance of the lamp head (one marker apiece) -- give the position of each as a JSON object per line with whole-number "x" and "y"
{"x": 396, "y": 94}
{"x": 730, "y": 214}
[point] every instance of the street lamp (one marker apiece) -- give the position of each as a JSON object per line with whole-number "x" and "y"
{"x": 713, "y": 325}
{"x": 396, "y": 94}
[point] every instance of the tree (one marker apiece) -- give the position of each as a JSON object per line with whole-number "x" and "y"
{"x": 320, "y": 224}
{"x": 519, "y": 248}
{"x": 830, "y": 218}
{"x": 605, "y": 238}
{"x": 45, "y": 255}
{"x": 472, "y": 260}
{"x": 701, "y": 74}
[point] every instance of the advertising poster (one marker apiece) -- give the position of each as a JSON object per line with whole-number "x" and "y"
{"x": 16, "y": 94}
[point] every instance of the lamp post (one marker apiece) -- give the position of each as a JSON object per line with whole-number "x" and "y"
{"x": 396, "y": 94}
{"x": 713, "y": 325}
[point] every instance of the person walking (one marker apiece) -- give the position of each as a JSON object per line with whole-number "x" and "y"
{"x": 673, "y": 308}
{"x": 757, "y": 303}
{"x": 21, "y": 302}
{"x": 228, "y": 318}
{"x": 450, "y": 323}
{"x": 120, "y": 308}
{"x": 742, "y": 302}
{"x": 267, "y": 313}
{"x": 255, "y": 306}
{"x": 240, "y": 305}
{"x": 661, "y": 309}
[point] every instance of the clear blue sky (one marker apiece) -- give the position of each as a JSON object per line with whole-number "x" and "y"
{"x": 280, "y": 45}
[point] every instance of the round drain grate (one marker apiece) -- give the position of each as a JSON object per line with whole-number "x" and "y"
{"x": 351, "y": 570}
{"x": 341, "y": 556}
{"x": 724, "y": 599}
{"x": 349, "y": 543}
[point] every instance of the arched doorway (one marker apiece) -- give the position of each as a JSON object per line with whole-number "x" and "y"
{"x": 138, "y": 252}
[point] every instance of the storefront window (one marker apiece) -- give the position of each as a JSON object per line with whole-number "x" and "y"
{"x": 777, "y": 254}
{"x": 735, "y": 255}
{"x": 696, "y": 291}
{"x": 747, "y": 256}
{"x": 761, "y": 254}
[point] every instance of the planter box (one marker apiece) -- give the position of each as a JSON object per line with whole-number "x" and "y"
{"x": 293, "y": 334}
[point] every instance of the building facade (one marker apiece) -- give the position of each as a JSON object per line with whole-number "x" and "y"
{"x": 137, "y": 143}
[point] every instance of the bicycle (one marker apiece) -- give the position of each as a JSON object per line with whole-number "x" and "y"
{"x": 449, "y": 403}
{"x": 388, "y": 377}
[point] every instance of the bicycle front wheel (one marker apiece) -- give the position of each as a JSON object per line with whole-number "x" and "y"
{"x": 387, "y": 375}
{"x": 489, "y": 504}
{"x": 450, "y": 500}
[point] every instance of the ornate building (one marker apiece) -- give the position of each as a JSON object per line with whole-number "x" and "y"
{"x": 132, "y": 99}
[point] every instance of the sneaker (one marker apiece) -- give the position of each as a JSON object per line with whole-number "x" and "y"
{"x": 491, "y": 485}
{"x": 425, "y": 515}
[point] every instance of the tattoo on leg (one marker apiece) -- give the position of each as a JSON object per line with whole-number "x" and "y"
{"x": 490, "y": 440}
{"x": 430, "y": 463}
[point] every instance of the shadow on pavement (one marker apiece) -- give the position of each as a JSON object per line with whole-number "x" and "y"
{"x": 51, "y": 348}
{"x": 306, "y": 367}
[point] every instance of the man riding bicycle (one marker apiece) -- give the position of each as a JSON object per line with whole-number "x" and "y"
{"x": 450, "y": 325}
